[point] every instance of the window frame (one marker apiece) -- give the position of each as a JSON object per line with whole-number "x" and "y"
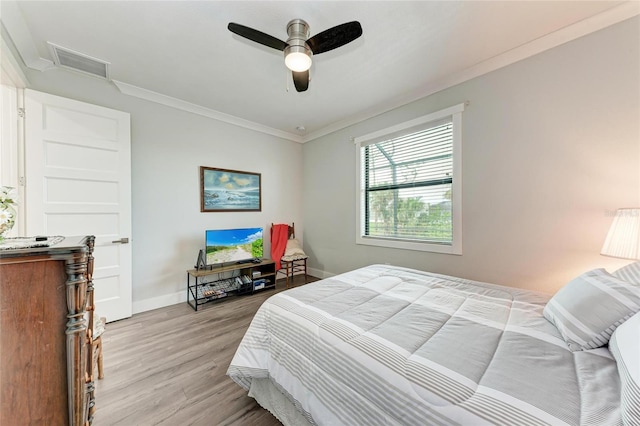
{"x": 455, "y": 248}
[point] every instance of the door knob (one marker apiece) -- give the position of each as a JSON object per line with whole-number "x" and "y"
{"x": 121, "y": 241}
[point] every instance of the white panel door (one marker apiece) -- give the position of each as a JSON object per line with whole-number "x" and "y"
{"x": 78, "y": 182}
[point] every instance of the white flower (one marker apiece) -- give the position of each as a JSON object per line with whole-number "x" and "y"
{"x": 6, "y": 196}
{"x": 5, "y": 216}
{"x": 7, "y": 210}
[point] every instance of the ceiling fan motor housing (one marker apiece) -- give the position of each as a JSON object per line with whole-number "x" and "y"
{"x": 298, "y": 31}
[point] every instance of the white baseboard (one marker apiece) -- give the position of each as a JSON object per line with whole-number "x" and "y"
{"x": 159, "y": 302}
{"x": 318, "y": 273}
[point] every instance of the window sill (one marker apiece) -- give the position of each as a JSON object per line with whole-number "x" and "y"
{"x": 454, "y": 248}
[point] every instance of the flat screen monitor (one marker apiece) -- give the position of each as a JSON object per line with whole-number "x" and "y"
{"x": 233, "y": 245}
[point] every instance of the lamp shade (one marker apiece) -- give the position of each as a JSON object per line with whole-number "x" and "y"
{"x": 623, "y": 239}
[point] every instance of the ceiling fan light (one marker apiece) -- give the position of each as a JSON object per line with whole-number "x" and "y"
{"x": 297, "y": 61}
{"x": 297, "y": 56}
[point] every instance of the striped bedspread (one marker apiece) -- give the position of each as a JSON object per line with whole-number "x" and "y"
{"x": 384, "y": 345}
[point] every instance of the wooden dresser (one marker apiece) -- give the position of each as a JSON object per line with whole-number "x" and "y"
{"x": 46, "y": 304}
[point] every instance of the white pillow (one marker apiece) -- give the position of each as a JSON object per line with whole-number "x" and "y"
{"x": 587, "y": 310}
{"x": 629, "y": 273}
{"x": 294, "y": 248}
{"x": 625, "y": 347}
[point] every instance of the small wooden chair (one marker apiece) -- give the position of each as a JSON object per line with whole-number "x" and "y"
{"x": 98, "y": 330}
{"x": 294, "y": 259}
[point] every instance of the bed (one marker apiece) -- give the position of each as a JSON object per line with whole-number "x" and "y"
{"x": 385, "y": 345}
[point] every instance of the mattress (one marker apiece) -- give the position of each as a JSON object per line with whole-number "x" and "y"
{"x": 385, "y": 345}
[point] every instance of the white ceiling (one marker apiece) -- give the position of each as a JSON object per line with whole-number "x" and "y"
{"x": 181, "y": 53}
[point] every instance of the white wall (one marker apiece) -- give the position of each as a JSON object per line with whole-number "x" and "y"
{"x": 168, "y": 147}
{"x": 551, "y": 146}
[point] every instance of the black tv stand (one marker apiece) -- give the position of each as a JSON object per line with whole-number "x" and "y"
{"x": 207, "y": 285}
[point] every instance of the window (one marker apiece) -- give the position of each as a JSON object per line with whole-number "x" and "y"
{"x": 409, "y": 184}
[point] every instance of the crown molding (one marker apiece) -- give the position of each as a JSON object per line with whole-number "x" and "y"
{"x": 16, "y": 27}
{"x": 597, "y": 22}
{"x": 138, "y": 92}
{"x": 12, "y": 74}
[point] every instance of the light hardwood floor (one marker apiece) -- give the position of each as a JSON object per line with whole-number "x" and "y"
{"x": 167, "y": 366}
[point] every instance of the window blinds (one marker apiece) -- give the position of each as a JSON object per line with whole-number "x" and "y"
{"x": 408, "y": 184}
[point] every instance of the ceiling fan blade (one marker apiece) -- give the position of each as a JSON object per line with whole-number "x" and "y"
{"x": 257, "y": 36}
{"x": 301, "y": 80}
{"x": 335, "y": 37}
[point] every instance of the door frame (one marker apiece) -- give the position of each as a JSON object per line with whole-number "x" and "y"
{"x": 12, "y": 142}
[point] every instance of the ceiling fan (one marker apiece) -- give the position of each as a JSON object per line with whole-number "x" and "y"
{"x": 299, "y": 48}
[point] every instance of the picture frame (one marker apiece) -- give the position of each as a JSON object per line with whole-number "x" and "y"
{"x": 224, "y": 190}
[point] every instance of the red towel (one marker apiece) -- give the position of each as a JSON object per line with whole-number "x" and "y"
{"x": 279, "y": 237}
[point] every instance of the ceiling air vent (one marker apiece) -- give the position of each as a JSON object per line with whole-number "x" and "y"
{"x": 76, "y": 61}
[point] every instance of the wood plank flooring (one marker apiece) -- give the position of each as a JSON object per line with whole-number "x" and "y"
{"x": 168, "y": 366}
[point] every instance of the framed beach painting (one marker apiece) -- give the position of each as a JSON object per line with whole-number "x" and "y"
{"x": 223, "y": 190}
